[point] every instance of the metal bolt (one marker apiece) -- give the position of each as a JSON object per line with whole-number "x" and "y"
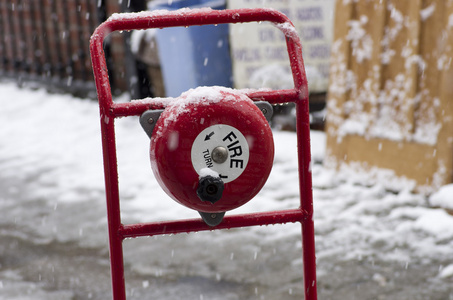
{"x": 150, "y": 121}
{"x": 213, "y": 216}
{"x": 264, "y": 111}
{"x": 219, "y": 154}
{"x": 212, "y": 189}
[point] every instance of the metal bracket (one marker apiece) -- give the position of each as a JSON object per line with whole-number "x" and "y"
{"x": 148, "y": 120}
{"x": 266, "y": 109}
{"x": 212, "y": 219}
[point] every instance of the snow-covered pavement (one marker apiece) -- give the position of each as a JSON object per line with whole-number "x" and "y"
{"x": 371, "y": 243}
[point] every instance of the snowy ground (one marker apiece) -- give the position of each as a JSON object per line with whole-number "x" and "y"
{"x": 371, "y": 243}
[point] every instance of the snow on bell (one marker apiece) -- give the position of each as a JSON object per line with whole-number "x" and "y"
{"x": 211, "y": 149}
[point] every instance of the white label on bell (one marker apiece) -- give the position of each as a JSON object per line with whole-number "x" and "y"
{"x": 223, "y": 149}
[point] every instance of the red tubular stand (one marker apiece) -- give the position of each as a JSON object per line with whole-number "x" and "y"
{"x": 110, "y": 110}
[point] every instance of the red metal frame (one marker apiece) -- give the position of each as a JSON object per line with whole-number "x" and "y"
{"x": 110, "y": 110}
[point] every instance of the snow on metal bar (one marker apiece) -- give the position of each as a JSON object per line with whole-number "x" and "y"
{"x": 275, "y": 97}
{"x": 190, "y": 17}
{"x": 137, "y": 107}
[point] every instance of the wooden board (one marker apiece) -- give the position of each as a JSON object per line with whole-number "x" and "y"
{"x": 389, "y": 101}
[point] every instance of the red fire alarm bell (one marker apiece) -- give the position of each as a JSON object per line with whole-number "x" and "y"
{"x": 211, "y": 149}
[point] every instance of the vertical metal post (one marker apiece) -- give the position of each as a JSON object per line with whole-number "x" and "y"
{"x": 306, "y": 197}
{"x": 113, "y": 208}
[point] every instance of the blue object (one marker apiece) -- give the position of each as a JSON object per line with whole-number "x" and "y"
{"x": 193, "y": 56}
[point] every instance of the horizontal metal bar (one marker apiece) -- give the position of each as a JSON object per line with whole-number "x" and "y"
{"x": 137, "y": 107}
{"x": 275, "y": 96}
{"x": 153, "y": 19}
{"x": 195, "y": 225}
{"x": 134, "y": 108}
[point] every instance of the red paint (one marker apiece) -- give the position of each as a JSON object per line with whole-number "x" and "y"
{"x": 109, "y": 111}
{"x": 195, "y": 225}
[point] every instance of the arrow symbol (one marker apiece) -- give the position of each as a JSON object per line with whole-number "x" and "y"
{"x": 208, "y": 136}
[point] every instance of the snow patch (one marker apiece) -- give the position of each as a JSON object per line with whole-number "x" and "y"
{"x": 446, "y": 272}
{"x": 427, "y": 12}
{"x": 279, "y": 77}
{"x": 436, "y": 222}
{"x": 138, "y": 36}
{"x": 382, "y": 113}
{"x": 361, "y": 42}
{"x": 346, "y": 2}
{"x": 392, "y": 112}
{"x": 450, "y": 21}
{"x": 391, "y": 33}
{"x": 443, "y": 62}
{"x": 208, "y": 172}
{"x": 288, "y": 29}
{"x": 157, "y": 13}
{"x": 203, "y": 95}
{"x": 443, "y": 197}
{"x": 273, "y": 76}
{"x": 366, "y": 175}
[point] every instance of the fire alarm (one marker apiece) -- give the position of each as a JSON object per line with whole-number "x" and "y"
{"x": 211, "y": 149}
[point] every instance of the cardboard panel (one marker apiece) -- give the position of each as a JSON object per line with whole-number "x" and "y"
{"x": 259, "y": 53}
{"x": 445, "y": 110}
{"x": 401, "y": 61}
{"x": 339, "y": 83}
{"x": 393, "y": 110}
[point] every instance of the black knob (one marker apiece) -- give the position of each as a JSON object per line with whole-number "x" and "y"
{"x": 210, "y": 188}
